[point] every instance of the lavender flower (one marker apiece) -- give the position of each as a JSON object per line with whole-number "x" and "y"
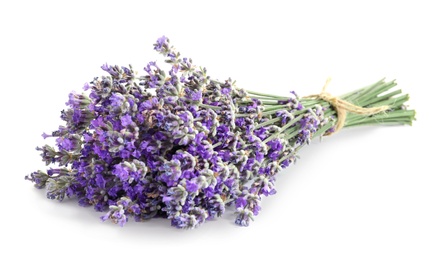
{"x": 182, "y": 145}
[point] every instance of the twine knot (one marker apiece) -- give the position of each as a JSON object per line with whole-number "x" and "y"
{"x": 342, "y": 107}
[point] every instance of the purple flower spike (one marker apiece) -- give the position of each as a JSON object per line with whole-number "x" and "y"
{"x": 44, "y": 135}
{"x": 160, "y": 42}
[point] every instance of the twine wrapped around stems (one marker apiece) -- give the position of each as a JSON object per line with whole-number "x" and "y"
{"x": 342, "y": 107}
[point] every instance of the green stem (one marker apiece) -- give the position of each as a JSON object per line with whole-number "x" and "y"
{"x": 291, "y": 122}
{"x": 377, "y": 94}
{"x": 265, "y": 102}
{"x": 268, "y": 122}
{"x": 323, "y": 129}
{"x": 210, "y": 106}
{"x": 268, "y": 98}
{"x": 265, "y": 95}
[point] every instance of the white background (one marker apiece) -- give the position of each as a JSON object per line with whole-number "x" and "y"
{"x": 365, "y": 193}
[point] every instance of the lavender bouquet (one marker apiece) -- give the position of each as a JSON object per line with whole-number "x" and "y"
{"x": 180, "y": 145}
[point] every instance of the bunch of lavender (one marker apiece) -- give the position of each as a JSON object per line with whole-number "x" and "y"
{"x": 180, "y": 145}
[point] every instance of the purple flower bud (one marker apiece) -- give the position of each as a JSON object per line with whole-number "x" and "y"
{"x": 244, "y": 217}
{"x": 126, "y": 120}
{"x": 160, "y": 43}
{"x": 121, "y": 172}
{"x": 192, "y": 187}
{"x": 196, "y": 95}
{"x": 241, "y": 202}
{"x": 100, "y": 181}
{"x": 44, "y": 135}
{"x": 117, "y": 99}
